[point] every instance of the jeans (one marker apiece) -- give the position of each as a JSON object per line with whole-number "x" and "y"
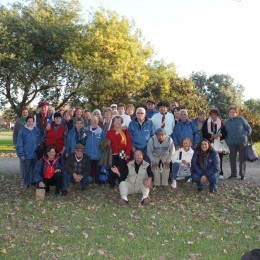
{"x": 67, "y": 178}
{"x": 213, "y": 180}
{"x": 28, "y": 167}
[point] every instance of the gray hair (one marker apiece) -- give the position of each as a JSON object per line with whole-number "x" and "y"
{"x": 140, "y": 109}
{"x": 184, "y": 111}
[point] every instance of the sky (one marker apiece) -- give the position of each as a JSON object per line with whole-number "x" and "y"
{"x": 214, "y": 36}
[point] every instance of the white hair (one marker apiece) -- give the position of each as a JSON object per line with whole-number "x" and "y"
{"x": 140, "y": 109}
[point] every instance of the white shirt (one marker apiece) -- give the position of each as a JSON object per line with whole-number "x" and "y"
{"x": 169, "y": 122}
{"x": 127, "y": 120}
{"x": 181, "y": 154}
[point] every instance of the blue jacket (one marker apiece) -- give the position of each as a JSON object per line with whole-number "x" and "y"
{"x": 141, "y": 134}
{"x": 73, "y": 138}
{"x": 92, "y": 143}
{"x": 238, "y": 130}
{"x": 212, "y": 164}
{"x": 185, "y": 130}
{"x": 150, "y": 113}
{"x": 27, "y": 142}
{"x": 40, "y": 168}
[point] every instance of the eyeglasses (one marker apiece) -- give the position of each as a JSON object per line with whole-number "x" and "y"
{"x": 140, "y": 113}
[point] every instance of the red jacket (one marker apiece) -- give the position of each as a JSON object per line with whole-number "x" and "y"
{"x": 117, "y": 143}
{"x": 56, "y": 137}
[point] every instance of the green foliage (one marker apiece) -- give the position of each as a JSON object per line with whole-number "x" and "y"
{"x": 219, "y": 90}
{"x": 112, "y": 55}
{"x": 33, "y": 39}
{"x": 253, "y": 105}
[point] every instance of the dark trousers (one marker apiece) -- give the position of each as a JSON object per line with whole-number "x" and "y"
{"x": 122, "y": 166}
{"x": 213, "y": 178}
{"x": 94, "y": 170}
{"x": 56, "y": 180}
{"x": 241, "y": 150}
{"x": 221, "y": 163}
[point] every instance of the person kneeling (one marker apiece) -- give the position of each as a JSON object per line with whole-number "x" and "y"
{"x": 205, "y": 164}
{"x": 48, "y": 171}
{"x": 139, "y": 179}
{"x": 77, "y": 169}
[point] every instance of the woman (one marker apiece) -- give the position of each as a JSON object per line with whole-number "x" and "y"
{"x": 93, "y": 137}
{"x": 213, "y": 128}
{"x": 205, "y": 166}
{"x": 29, "y": 138}
{"x": 97, "y": 113}
{"x": 121, "y": 145}
{"x": 107, "y": 120}
{"x": 67, "y": 120}
{"x": 198, "y": 122}
{"x": 238, "y": 131}
{"x": 48, "y": 171}
{"x": 181, "y": 162}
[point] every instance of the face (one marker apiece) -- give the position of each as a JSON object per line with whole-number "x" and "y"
{"x": 79, "y": 153}
{"x": 130, "y": 111}
{"x": 173, "y": 105}
{"x": 30, "y": 122}
{"x": 204, "y": 146}
{"x": 79, "y": 113}
{"x": 72, "y": 112}
{"x": 114, "y": 108}
{"x": 107, "y": 115}
{"x": 183, "y": 116}
{"x": 214, "y": 116}
{"x": 161, "y": 137}
{"x": 51, "y": 110}
{"x": 44, "y": 109}
{"x": 163, "y": 110}
{"x": 232, "y": 113}
{"x": 150, "y": 105}
{"x": 96, "y": 114}
{"x": 87, "y": 115}
{"x": 186, "y": 144}
{"x": 202, "y": 118}
{"x": 138, "y": 156}
{"x": 176, "y": 113}
{"x": 67, "y": 116}
{"x": 57, "y": 120}
{"x": 140, "y": 115}
{"x": 25, "y": 113}
{"x": 51, "y": 154}
{"x": 79, "y": 125}
{"x": 121, "y": 110}
{"x": 94, "y": 121}
{"x": 117, "y": 123}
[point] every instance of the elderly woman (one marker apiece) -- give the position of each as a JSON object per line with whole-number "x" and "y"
{"x": 238, "y": 131}
{"x": 29, "y": 137}
{"x": 213, "y": 128}
{"x": 141, "y": 130}
{"x": 185, "y": 129}
{"x": 98, "y": 114}
{"x": 205, "y": 166}
{"x": 121, "y": 145}
{"x": 48, "y": 171}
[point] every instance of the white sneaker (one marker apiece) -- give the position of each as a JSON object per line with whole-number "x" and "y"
{"x": 220, "y": 177}
{"x": 174, "y": 184}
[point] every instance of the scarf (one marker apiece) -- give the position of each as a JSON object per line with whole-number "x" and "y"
{"x": 210, "y": 123}
{"x": 123, "y": 136}
{"x": 29, "y": 128}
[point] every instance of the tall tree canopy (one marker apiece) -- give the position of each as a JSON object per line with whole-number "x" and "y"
{"x": 219, "y": 90}
{"x": 33, "y": 39}
{"x": 113, "y": 56}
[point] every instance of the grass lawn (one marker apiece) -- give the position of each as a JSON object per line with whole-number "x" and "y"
{"x": 6, "y": 141}
{"x": 178, "y": 224}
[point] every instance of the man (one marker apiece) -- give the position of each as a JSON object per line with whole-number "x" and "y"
{"x": 164, "y": 119}
{"x": 139, "y": 179}
{"x": 113, "y": 107}
{"x": 141, "y": 129}
{"x": 77, "y": 169}
{"x": 121, "y": 108}
{"x": 43, "y": 117}
{"x": 151, "y": 110}
{"x": 174, "y": 105}
{"x": 160, "y": 149}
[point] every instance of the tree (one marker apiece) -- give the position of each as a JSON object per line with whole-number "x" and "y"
{"x": 253, "y": 105}
{"x": 34, "y": 38}
{"x": 112, "y": 55}
{"x": 219, "y": 90}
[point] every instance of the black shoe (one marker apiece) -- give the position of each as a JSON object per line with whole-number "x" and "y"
{"x": 242, "y": 178}
{"x": 64, "y": 193}
{"x": 232, "y": 177}
{"x": 199, "y": 189}
{"x": 47, "y": 189}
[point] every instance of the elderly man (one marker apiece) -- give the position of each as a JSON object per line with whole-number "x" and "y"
{"x": 141, "y": 129}
{"x": 164, "y": 119}
{"x": 160, "y": 150}
{"x": 77, "y": 169}
{"x": 139, "y": 179}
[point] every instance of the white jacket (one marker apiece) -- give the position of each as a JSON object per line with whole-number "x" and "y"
{"x": 181, "y": 154}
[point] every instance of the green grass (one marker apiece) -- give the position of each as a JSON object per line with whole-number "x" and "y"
{"x": 6, "y": 141}
{"x": 178, "y": 224}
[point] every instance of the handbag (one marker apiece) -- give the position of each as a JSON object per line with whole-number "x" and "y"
{"x": 40, "y": 194}
{"x": 220, "y": 146}
{"x": 251, "y": 153}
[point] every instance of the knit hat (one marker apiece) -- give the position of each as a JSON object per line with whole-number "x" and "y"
{"x": 79, "y": 147}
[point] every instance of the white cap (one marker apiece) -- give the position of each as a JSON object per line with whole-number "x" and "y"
{"x": 113, "y": 105}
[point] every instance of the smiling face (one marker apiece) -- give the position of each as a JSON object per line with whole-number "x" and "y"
{"x": 232, "y": 113}
{"x": 163, "y": 110}
{"x": 25, "y": 113}
{"x": 94, "y": 121}
{"x": 57, "y": 120}
{"x": 204, "y": 146}
{"x": 51, "y": 154}
{"x": 138, "y": 156}
{"x": 44, "y": 109}
{"x": 30, "y": 122}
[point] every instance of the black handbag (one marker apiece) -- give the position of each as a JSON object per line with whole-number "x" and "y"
{"x": 251, "y": 153}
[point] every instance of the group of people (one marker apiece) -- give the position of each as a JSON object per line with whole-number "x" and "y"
{"x": 137, "y": 149}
